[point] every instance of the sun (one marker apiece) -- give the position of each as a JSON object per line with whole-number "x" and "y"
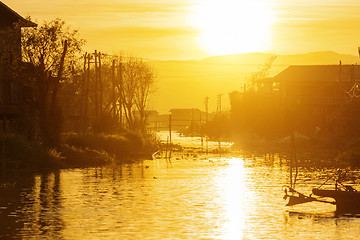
{"x": 233, "y": 26}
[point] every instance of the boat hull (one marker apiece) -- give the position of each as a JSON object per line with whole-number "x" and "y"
{"x": 345, "y": 201}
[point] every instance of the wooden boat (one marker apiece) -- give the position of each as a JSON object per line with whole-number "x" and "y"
{"x": 346, "y": 198}
{"x": 346, "y": 201}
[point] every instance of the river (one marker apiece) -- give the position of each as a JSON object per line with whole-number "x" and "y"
{"x": 192, "y": 197}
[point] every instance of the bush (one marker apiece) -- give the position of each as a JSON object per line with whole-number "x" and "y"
{"x": 29, "y": 154}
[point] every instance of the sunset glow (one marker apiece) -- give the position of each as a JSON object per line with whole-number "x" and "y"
{"x": 197, "y": 29}
{"x": 180, "y": 119}
{"x": 233, "y": 26}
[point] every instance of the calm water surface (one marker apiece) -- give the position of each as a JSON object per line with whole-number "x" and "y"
{"x": 190, "y": 198}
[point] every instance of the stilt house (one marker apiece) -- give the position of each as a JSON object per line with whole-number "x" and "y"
{"x": 317, "y": 84}
{"x": 324, "y": 96}
{"x": 11, "y": 80}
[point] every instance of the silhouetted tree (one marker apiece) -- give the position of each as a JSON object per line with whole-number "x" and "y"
{"x": 137, "y": 79}
{"x": 262, "y": 73}
{"x": 145, "y": 84}
{"x": 52, "y": 49}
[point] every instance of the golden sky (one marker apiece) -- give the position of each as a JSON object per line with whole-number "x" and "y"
{"x": 194, "y": 29}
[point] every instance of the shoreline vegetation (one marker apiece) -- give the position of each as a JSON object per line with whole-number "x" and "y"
{"x": 76, "y": 150}
{"x": 57, "y": 88}
{"x": 93, "y": 150}
{"x": 107, "y": 97}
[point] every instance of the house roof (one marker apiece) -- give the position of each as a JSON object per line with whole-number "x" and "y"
{"x": 9, "y": 17}
{"x": 184, "y": 110}
{"x": 318, "y": 73}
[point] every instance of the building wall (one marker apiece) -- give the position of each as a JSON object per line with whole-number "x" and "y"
{"x": 10, "y": 47}
{"x": 10, "y": 70}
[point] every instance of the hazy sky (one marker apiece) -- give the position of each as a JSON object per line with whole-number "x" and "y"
{"x": 194, "y": 29}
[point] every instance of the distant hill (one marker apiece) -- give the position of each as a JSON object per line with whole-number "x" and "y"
{"x": 185, "y": 84}
{"x": 313, "y": 58}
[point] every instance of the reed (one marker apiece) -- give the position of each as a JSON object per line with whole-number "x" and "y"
{"x": 126, "y": 144}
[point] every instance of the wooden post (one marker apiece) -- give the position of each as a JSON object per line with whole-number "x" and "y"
{"x": 219, "y": 104}
{"x": 87, "y": 90}
{"x": 120, "y": 73}
{"x": 293, "y": 160}
{"x": 100, "y": 86}
{"x": 113, "y": 87}
{"x": 170, "y": 127}
{"x": 96, "y": 87}
{"x": 201, "y": 132}
{"x": 219, "y": 115}
{"x": 192, "y": 123}
{"x": 83, "y": 95}
{"x": 206, "y": 121}
{"x": 3, "y": 165}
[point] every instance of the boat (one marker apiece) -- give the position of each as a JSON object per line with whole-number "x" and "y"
{"x": 345, "y": 197}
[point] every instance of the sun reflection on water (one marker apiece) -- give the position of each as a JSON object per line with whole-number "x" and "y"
{"x": 234, "y": 199}
{"x": 216, "y": 198}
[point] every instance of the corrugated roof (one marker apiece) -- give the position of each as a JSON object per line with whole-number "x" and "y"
{"x": 319, "y": 73}
{"x": 8, "y": 17}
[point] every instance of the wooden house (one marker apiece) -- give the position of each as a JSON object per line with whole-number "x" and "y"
{"x": 11, "y": 82}
{"x": 184, "y": 117}
{"x": 320, "y": 96}
{"x": 317, "y": 84}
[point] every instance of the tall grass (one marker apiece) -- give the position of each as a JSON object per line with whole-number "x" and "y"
{"x": 76, "y": 150}
{"x": 27, "y": 153}
{"x": 127, "y": 144}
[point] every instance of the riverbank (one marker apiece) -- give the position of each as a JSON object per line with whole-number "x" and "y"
{"x": 75, "y": 150}
{"x": 309, "y": 152}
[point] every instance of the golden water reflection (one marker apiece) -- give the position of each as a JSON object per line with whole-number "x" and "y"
{"x": 212, "y": 198}
{"x": 236, "y": 195}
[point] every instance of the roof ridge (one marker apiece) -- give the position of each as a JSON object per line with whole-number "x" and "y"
{"x": 26, "y": 23}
